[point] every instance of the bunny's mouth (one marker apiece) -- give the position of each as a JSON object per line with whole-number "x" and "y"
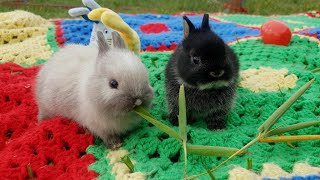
{"x": 136, "y": 103}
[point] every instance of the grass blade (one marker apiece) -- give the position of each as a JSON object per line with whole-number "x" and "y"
{"x": 147, "y": 116}
{"x": 290, "y": 138}
{"x": 183, "y": 124}
{"x": 283, "y": 108}
{"x": 249, "y": 160}
{"x": 182, "y": 114}
{"x": 185, "y": 158}
{"x": 211, "y": 175}
{"x": 315, "y": 70}
{"x": 30, "y": 172}
{"x": 154, "y": 63}
{"x": 126, "y": 160}
{"x": 240, "y": 151}
{"x": 292, "y": 128}
{"x": 211, "y": 150}
{"x": 142, "y": 110}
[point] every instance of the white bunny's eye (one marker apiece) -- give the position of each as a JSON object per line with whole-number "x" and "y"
{"x": 106, "y": 31}
{"x": 196, "y": 60}
{"x": 113, "y": 84}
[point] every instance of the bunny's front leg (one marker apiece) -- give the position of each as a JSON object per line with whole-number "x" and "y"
{"x": 113, "y": 141}
{"x": 216, "y": 120}
{"x": 173, "y": 113}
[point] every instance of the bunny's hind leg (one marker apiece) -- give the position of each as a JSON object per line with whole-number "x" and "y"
{"x": 43, "y": 114}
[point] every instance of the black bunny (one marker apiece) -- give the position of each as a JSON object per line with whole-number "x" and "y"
{"x": 209, "y": 69}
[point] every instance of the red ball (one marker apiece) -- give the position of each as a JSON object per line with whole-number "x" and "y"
{"x": 275, "y": 32}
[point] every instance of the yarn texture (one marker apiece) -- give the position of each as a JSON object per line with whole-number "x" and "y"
{"x": 155, "y": 151}
{"x": 58, "y": 148}
{"x": 267, "y": 79}
{"x": 275, "y": 172}
{"x": 23, "y": 37}
{"x": 156, "y": 32}
{"x": 55, "y": 148}
{"x": 294, "y": 22}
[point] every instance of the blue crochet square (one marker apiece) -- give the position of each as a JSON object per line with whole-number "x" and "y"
{"x": 79, "y": 31}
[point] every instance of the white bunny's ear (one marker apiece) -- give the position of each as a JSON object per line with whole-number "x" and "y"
{"x": 75, "y": 12}
{"x": 118, "y": 41}
{"x": 91, "y": 4}
{"x": 102, "y": 44}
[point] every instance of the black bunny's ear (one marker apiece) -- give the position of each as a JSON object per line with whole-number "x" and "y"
{"x": 187, "y": 26}
{"x": 205, "y": 22}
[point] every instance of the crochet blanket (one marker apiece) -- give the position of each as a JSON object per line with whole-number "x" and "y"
{"x": 59, "y": 149}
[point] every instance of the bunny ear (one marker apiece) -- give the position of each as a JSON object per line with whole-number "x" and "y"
{"x": 187, "y": 26}
{"x": 205, "y": 22}
{"x": 102, "y": 44}
{"x": 118, "y": 41}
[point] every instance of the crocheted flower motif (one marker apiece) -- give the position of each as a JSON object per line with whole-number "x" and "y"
{"x": 267, "y": 79}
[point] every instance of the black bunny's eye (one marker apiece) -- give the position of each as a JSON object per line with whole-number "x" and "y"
{"x": 113, "y": 84}
{"x": 196, "y": 60}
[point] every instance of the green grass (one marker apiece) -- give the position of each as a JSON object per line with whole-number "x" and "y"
{"x": 258, "y": 7}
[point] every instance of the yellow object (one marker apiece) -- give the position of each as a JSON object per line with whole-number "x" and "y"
{"x": 267, "y": 79}
{"x": 273, "y": 171}
{"x": 23, "y": 37}
{"x": 113, "y": 20}
{"x": 119, "y": 169}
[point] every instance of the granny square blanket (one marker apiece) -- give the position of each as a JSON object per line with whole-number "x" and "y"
{"x": 59, "y": 149}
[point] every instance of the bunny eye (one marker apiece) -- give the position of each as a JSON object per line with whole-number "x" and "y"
{"x": 106, "y": 31}
{"x": 196, "y": 60}
{"x": 113, "y": 84}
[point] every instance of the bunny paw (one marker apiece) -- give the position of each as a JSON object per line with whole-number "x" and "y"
{"x": 174, "y": 120}
{"x": 113, "y": 142}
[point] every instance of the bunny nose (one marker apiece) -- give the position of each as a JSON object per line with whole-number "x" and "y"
{"x": 138, "y": 102}
{"x": 217, "y": 73}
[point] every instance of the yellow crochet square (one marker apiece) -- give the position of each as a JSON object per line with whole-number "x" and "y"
{"x": 23, "y": 37}
{"x": 26, "y": 52}
{"x": 21, "y": 19}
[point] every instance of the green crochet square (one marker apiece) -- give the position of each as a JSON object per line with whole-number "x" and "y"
{"x": 162, "y": 157}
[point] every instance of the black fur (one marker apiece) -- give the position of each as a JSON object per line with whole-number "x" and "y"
{"x": 217, "y": 63}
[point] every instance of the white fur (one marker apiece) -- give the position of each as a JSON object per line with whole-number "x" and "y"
{"x": 68, "y": 86}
